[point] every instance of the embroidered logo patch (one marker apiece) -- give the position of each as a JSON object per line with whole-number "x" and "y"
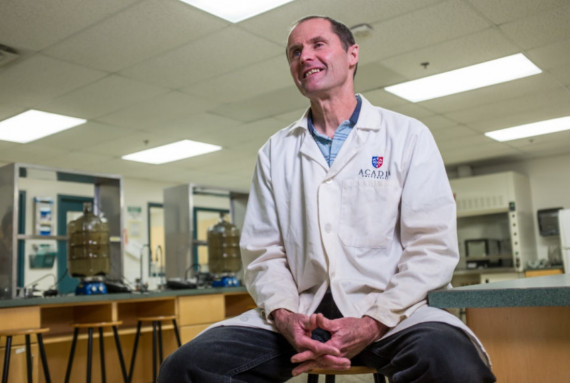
{"x": 377, "y": 161}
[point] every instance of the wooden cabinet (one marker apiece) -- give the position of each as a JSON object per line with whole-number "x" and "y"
{"x": 194, "y": 313}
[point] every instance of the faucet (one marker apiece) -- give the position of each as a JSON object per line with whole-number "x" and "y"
{"x": 141, "y": 286}
{"x": 160, "y": 262}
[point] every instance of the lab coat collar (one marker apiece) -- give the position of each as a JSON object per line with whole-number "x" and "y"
{"x": 368, "y": 119}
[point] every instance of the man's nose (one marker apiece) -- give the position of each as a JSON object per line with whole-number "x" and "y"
{"x": 306, "y": 54}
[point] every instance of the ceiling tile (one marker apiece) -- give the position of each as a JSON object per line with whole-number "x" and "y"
{"x": 541, "y": 28}
{"x": 463, "y": 51}
{"x": 505, "y": 113}
{"x": 102, "y": 97}
{"x": 39, "y": 78}
{"x": 425, "y": 27}
{"x": 508, "y": 10}
{"x": 261, "y": 77}
{"x": 492, "y": 94}
{"x": 234, "y": 48}
{"x": 146, "y": 29}
{"x": 157, "y": 111}
{"x": 264, "y": 105}
{"x": 32, "y": 24}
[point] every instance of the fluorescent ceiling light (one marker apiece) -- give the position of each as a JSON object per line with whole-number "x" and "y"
{"x": 464, "y": 79}
{"x": 236, "y": 10}
{"x": 34, "y": 124}
{"x": 529, "y": 130}
{"x": 172, "y": 152}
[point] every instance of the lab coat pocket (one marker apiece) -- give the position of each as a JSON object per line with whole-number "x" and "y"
{"x": 369, "y": 212}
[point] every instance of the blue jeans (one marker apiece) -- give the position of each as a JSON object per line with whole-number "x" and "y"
{"x": 427, "y": 352}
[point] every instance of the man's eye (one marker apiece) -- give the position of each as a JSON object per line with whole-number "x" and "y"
{"x": 296, "y": 53}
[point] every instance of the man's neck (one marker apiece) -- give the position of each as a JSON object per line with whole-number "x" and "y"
{"x": 328, "y": 114}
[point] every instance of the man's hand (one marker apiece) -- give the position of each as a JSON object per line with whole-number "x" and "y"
{"x": 349, "y": 335}
{"x": 297, "y": 329}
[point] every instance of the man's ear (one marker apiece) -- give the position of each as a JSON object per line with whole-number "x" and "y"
{"x": 353, "y": 55}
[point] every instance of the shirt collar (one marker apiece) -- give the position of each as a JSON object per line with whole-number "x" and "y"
{"x": 352, "y": 120}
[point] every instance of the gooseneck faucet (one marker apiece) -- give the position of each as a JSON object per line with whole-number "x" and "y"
{"x": 141, "y": 286}
{"x": 160, "y": 264}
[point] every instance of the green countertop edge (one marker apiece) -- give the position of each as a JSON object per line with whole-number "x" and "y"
{"x": 552, "y": 290}
{"x": 101, "y": 298}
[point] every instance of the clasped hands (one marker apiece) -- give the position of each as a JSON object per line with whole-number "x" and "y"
{"x": 349, "y": 336}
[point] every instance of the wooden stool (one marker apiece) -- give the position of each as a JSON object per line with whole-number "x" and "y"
{"x": 354, "y": 370}
{"x": 156, "y": 332}
{"x": 90, "y": 327}
{"x": 27, "y": 332}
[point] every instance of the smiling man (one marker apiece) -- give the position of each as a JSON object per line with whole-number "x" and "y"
{"x": 350, "y": 224}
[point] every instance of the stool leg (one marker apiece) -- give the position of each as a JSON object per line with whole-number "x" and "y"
{"x": 329, "y": 379}
{"x": 102, "y": 355}
{"x": 29, "y": 358}
{"x": 43, "y": 357}
{"x": 160, "y": 341}
{"x": 89, "y": 354}
{"x": 71, "y": 353}
{"x": 134, "y": 356}
{"x": 7, "y": 358}
{"x": 120, "y": 352}
{"x": 154, "y": 350}
{"x": 176, "y": 332}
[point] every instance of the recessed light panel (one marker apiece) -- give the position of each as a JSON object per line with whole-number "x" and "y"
{"x": 460, "y": 80}
{"x": 172, "y": 152}
{"x": 236, "y": 10}
{"x": 34, "y": 124}
{"x": 530, "y": 130}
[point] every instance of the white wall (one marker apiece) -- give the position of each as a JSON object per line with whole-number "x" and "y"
{"x": 550, "y": 187}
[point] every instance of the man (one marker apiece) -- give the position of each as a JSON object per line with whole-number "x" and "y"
{"x": 350, "y": 223}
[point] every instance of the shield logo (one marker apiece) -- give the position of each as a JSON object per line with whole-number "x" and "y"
{"x": 377, "y": 161}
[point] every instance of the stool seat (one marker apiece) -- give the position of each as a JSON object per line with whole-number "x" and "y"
{"x": 97, "y": 324}
{"x": 27, "y": 332}
{"x": 90, "y": 326}
{"x": 353, "y": 370}
{"x": 156, "y": 318}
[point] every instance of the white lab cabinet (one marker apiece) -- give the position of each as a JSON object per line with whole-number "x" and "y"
{"x": 491, "y": 209}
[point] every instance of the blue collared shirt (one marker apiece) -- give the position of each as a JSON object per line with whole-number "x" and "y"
{"x": 331, "y": 146}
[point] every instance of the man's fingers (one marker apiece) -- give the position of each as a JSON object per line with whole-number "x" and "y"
{"x": 317, "y": 348}
{"x": 324, "y": 323}
{"x": 326, "y": 361}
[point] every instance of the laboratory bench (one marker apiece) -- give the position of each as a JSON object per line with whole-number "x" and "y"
{"x": 523, "y": 323}
{"x": 195, "y": 310}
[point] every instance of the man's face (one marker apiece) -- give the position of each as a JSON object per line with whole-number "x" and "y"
{"x": 319, "y": 64}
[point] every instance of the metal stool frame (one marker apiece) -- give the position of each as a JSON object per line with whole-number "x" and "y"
{"x": 90, "y": 327}
{"x": 27, "y": 332}
{"x": 156, "y": 342}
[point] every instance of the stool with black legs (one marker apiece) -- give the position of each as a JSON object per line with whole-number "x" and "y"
{"x": 354, "y": 370}
{"x": 27, "y": 332}
{"x": 90, "y": 328}
{"x": 156, "y": 341}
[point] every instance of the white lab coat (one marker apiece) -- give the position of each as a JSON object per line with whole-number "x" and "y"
{"x": 381, "y": 233}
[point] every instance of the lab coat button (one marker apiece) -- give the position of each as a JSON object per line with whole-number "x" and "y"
{"x": 328, "y": 181}
{"x": 328, "y": 227}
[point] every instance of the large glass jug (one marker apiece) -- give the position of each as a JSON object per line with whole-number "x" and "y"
{"x": 88, "y": 245}
{"x": 223, "y": 248}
